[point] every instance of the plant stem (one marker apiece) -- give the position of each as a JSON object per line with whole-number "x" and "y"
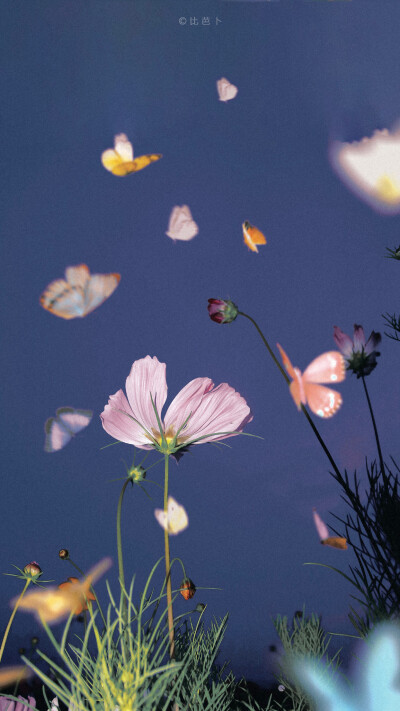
{"x": 378, "y": 444}
{"x": 10, "y": 621}
{"x": 168, "y": 567}
{"x": 310, "y": 421}
{"x": 120, "y": 557}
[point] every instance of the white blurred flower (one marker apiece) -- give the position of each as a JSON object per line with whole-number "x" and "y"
{"x": 371, "y": 168}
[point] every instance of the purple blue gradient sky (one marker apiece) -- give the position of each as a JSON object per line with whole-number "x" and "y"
{"x": 73, "y": 75}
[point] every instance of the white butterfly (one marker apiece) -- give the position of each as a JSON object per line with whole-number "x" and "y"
{"x": 61, "y": 428}
{"x": 226, "y": 90}
{"x": 181, "y": 224}
{"x": 174, "y": 520}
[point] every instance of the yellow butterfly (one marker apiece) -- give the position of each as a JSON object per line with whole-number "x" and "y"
{"x": 119, "y": 160}
{"x": 252, "y": 236}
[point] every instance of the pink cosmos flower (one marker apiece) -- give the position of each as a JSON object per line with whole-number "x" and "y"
{"x": 199, "y": 413}
{"x": 7, "y": 704}
{"x": 360, "y": 355}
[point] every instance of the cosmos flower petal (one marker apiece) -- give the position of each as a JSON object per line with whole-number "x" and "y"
{"x": 343, "y": 341}
{"x": 186, "y": 401}
{"x": 117, "y": 420}
{"x": 147, "y": 380}
{"x": 221, "y": 409}
{"x": 359, "y": 338}
{"x": 373, "y": 341}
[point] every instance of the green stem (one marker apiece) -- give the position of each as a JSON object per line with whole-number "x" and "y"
{"x": 378, "y": 444}
{"x": 10, "y": 621}
{"x": 168, "y": 567}
{"x": 311, "y": 423}
{"x": 120, "y": 557}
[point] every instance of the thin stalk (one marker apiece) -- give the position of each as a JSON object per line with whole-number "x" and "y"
{"x": 378, "y": 444}
{"x": 10, "y": 621}
{"x": 310, "y": 421}
{"x": 168, "y": 567}
{"x": 120, "y": 556}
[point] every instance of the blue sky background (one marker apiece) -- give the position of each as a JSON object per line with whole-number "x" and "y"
{"x": 74, "y": 75}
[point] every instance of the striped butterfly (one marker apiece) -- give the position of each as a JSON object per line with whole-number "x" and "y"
{"x": 79, "y": 293}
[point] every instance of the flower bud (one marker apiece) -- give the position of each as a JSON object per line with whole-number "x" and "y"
{"x": 187, "y": 588}
{"x": 22, "y": 650}
{"x": 33, "y": 570}
{"x": 34, "y": 641}
{"x": 63, "y": 554}
{"x": 200, "y": 607}
{"x": 137, "y": 473}
{"x": 222, "y": 311}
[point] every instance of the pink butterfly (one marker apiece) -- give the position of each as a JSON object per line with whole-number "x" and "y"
{"x": 306, "y": 389}
{"x": 67, "y": 423}
{"x": 181, "y": 224}
{"x": 324, "y": 535}
{"x": 226, "y": 90}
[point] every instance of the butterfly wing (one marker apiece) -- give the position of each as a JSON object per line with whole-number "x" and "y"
{"x": 226, "y": 90}
{"x": 143, "y": 161}
{"x": 162, "y": 518}
{"x": 335, "y": 542}
{"x": 98, "y": 289}
{"x": 177, "y": 517}
{"x": 74, "y": 420}
{"x": 286, "y": 362}
{"x": 57, "y": 435}
{"x": 330, "y": 367}
{"x": 323, "y": 401}
{"x": 322, "y": 528}
{"x": 78, "y": 276}
{"x": 63, "y": 300}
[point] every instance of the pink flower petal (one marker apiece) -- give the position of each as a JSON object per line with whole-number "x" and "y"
{"x": 147, "y": 380}
{"x": 343, "y": 341}
{"x": 359, "y": 338}
{"x": 221, "y": 409}
{"x": 120, "y": 425}
{"x": 187, "y": 401}
{"x": 373, "y": 342}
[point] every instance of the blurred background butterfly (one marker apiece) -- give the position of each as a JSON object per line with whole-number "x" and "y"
{"x": 324, "y": 535}
{"x": 119, "y": 160}
{"x": 226, "y": 90}
{"x": 79, "y": 293}
{"x": 305, "y": 388}
{"x": 181, "y": 224}
{"x": 175, "y": 519}
{"x": 252, "y": 236}
{"x": 60, "y": 429}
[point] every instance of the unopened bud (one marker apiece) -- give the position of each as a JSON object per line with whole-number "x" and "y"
{"x": 33, "y": 569}
{"x": 63, "y": 554}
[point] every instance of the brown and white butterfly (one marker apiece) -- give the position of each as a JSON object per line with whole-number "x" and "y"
{"x": 306, "y": 388}
{"x": 79, "y": 293}
{"x": 119, "y": 160}
{"x": 324, "y": 535}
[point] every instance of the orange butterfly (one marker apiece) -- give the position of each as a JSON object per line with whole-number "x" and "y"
{"x": 79, "y": 293}
{"x": 119, "y": 160}
{"x": 305, "y": 389}
{"x": 252, "y": 236}
{"x": 325, "y": 538}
